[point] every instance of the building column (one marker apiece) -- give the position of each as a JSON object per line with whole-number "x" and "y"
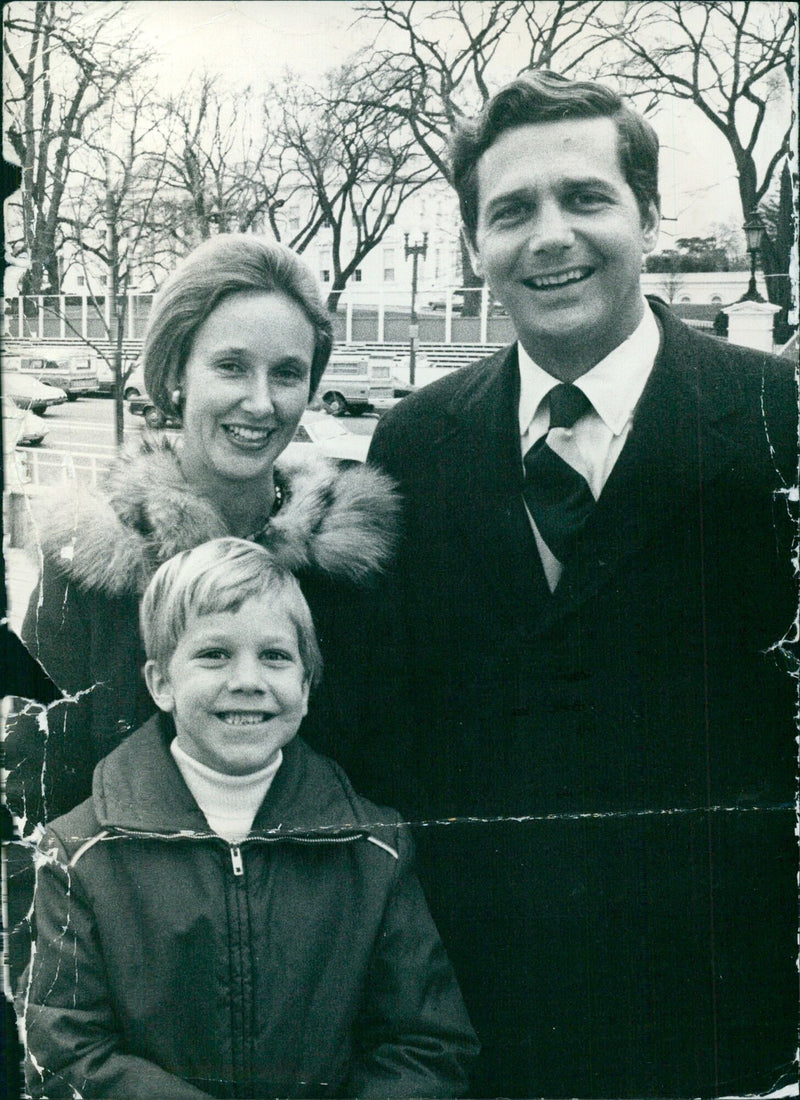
{"x": 750, "y": 324}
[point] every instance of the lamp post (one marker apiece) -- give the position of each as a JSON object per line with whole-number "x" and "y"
{"x": 754, "y": 232}
{"x": 415, "y": 251}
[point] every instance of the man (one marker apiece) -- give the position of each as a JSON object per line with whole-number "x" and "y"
{"x": 595, "y": 580}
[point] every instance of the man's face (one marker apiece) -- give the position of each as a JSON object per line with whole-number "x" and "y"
{"x": 560, "y": 239}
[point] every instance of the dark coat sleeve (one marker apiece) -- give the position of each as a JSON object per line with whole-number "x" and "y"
{"x": 413, "y": 1037}
{"x": 88, "y": 645}
{"x": 49, "y": 754}
{"x": 73, "y": 1047}
{"x": 56, "y": 631}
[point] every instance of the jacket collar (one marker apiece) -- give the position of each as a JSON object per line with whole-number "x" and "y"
{"x": 139, "y": 788}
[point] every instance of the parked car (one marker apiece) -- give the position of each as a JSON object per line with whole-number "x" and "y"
{"x": 21, "y": 427}
{"x": 29, "y": 393}
{"x": 134, "y": 384}
{"x": 72, "y": 373}
{"x": 496, "y": 309}
{"x": 105, "y": 377}
{"x": 141, "y": 405}
{"x": 329, "y": 438}
{"x": 440, "y": 302}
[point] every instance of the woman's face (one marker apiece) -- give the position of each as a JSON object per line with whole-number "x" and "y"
{"x": 245, "y": 387}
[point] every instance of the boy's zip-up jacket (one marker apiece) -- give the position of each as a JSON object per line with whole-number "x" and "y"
{"x": 302, "y": 962}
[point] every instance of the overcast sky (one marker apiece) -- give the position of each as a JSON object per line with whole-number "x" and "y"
{"x": 255, "y": 41}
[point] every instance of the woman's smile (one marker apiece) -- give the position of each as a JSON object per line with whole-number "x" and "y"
{"x": 248, "y": 437}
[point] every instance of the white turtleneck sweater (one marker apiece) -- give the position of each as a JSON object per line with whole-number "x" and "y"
{"x": 229, "y": 802}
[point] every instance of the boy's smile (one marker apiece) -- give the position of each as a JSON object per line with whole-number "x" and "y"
{"x": 235, "y": 686}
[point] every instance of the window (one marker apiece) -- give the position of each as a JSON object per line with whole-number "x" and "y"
{"x": 388, "y": 265}
{"x": 716, "y": 300}
{"x": 357, "y": 275}
{"x": 326, "y": 275}
{"x": 81, "y": 280}
{"x": 294, "y": 219}
{"x": 685, "y": 298}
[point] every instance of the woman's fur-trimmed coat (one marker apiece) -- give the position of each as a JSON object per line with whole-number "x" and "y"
{"x": 335, "y": 530}
{"x": 340, "y": 522}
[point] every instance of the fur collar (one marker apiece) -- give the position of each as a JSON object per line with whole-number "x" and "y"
{"x": 339, "y": 522}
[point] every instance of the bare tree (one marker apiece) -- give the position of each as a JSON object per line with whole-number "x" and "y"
{"x": 227, "y": 170}
{"x": 733, "y": 60}
{"x": 63, "y": 63}
{"x": 433, "y": 66}
{"x": 448, "y": 59}
{"x": 355, "y": 166}
{"x": 111, "y": 218}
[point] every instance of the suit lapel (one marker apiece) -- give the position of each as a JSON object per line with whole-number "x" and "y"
{"x": 482, "y": 481}
{"x": 676, "y": 447}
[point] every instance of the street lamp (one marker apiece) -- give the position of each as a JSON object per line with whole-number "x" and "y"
{"x": 754, "y": 232}
{"x": 414, "y": 250}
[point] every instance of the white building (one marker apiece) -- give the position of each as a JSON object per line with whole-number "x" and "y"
{"x": 385, "y": 273}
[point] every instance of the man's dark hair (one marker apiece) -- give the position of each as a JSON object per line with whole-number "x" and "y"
{"x": 543, "y": 96}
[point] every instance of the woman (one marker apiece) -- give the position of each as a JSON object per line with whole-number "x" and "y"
{"x": 237, "y": 341}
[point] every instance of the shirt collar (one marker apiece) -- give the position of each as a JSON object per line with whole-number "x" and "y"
{"x": 614, "y": 385}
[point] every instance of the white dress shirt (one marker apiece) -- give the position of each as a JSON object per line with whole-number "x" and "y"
{"x": 593, "y": 445}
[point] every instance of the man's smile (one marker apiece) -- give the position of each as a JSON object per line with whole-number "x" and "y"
{"x": 558, "y": 278}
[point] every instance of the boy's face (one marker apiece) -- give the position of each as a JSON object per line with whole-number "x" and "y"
{"x": 235, "y": 686}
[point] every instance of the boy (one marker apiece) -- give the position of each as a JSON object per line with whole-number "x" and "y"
{"x": 225, "y": 917}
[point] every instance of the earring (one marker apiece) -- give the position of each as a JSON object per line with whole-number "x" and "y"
{"x": 176, "y": 396}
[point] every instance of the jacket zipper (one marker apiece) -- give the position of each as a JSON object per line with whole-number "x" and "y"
{"x": 236, "y": 853}
{"x": 323, "y": 839}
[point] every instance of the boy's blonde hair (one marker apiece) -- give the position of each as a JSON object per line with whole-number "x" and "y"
{"x": 220, "y": 576}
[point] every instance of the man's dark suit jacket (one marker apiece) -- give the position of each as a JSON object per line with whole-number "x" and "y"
{"x": 617, "y": 884}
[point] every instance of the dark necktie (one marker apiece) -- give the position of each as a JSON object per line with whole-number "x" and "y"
{"x": 558, "y": 497}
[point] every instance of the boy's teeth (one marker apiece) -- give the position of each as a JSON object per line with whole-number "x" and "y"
{"x": 233, "y": 718}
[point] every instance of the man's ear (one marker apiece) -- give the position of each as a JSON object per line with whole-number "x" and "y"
{"x": 651, "y": 225}
{"x": 159, "y": 686}
{"x": 472, "y": 250}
